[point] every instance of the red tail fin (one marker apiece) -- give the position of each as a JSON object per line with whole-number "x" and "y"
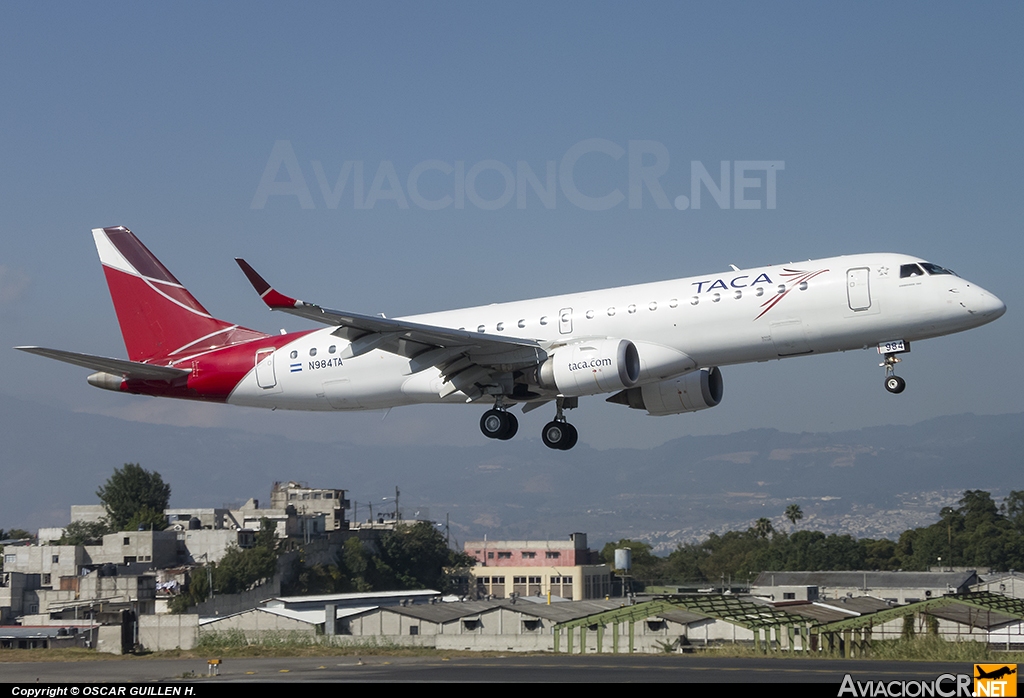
{"x": 159, "y": 318}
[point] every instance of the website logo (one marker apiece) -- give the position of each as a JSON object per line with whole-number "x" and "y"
{"x": 995, "y": 680}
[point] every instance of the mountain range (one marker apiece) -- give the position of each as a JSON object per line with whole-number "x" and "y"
{"x": 869, "y": 482}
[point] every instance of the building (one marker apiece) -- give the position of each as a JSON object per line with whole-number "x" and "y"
{"x": 308, "y": 500}
{"x": 517, "y": 568}
{"x": 894, "y": 587}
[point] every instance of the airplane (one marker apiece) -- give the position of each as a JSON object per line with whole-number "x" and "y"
{"x": 994, "y": 674}
{"x": 656, "y": 347}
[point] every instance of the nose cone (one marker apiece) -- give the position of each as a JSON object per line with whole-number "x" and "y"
{"x": 987, "y": 306}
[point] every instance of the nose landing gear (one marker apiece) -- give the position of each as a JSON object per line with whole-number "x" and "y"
{"x": 893, "y": 383}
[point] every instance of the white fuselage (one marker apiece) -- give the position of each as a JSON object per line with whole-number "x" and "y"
{"x": 732, "y": 317}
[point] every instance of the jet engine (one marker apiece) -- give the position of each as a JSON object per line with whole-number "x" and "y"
{"x": 693, "y": 391}
{"x": 590, "y": 367}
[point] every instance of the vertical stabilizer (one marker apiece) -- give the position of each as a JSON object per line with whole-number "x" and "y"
{"x": 159, "y": 318}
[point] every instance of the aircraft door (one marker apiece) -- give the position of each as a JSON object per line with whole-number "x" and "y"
{"x": 565, "y": 321}
{"x": 858, "y": 289}
{"x": 265, "y": 376}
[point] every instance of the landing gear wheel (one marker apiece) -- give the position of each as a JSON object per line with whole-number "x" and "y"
{"x": 513, "y": 426}
{"x": 895, "y": 384}
{"x": 496, "y": 424}
{"x": 560, "y": 436}
{"x": 571, "y": 438}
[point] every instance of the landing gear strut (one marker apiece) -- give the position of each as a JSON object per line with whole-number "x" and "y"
{"x": 559, "y": 434}
{"x": 499, "y": 423}
{"x": 893, "y": 383}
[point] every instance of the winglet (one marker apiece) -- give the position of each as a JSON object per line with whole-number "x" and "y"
{"x": 272, "y": 298}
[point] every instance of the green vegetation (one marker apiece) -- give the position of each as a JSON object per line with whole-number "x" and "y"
{"x": 239, "y": 570}
{"x": 85, "y": 533}
{"x": 412, "y": 556}
{"x": 226, "y": 640}
{"x": 135, "y": 498}
{"x": 16, "y": 534}
{"x": 794, "y": 513}
{"x": 977, "y": 533}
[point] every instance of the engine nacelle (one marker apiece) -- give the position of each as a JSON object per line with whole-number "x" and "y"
{"x": 107, "y": 381}
{"x": 589, "y": 368}
{"x": 694, "y": 391}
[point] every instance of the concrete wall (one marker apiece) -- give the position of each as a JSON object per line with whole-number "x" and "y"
{"x": 108, "y": 639}
{"x": 212, "y": 544}
{"x": 226, "y": 604}
{"x": 155, "y": 548}
{"x": 39, "y": 559}
{"x": 168, "y": 632}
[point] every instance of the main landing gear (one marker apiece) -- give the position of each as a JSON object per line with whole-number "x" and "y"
{"x": 499, "y": 423}
{"x": 893, "y": 383}
{"x": 558, "y": 433}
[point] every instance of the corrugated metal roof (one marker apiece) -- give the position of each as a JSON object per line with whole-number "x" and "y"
{"x": 313, "y": 616}
{"x": 871, "y": 580}
{"x": 445, "y": 612}
{"x": 350, "y": 598}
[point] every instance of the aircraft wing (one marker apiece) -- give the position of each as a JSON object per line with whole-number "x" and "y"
{"x": 121, "y": 367}
{"x": 469, "y": 361}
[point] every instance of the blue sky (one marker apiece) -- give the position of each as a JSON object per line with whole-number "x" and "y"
{"x": 898, "y": 126}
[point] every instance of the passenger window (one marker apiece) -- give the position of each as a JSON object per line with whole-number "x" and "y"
{"x": 673, "y": 303}
{"x": 909, "y": 270}
{"x": 631, "y": 309}
{"x": 544, "y": 320}
{"x": 759, "y": 292}
{"x": 695, "y": 300}
{"x": 294, "y": 355}
{"x": 653, "y": 306}
{"x": 717, "y": 297}
{"x": 501, "y": 327}
{"x": 782, "y": 288}
{"x": 737, "y": 295}
{"x": 590, "y": 314}
{"x": 331, "y": 349}
{"x": 611, "y": 312}
{"x": 312, "y": 352}
{"x": 803, "y": 285}
{"x": 522, "y": 324}
{"x": 480, "y": 328}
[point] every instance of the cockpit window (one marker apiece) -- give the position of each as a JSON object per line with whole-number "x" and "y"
{"x": 936, "y": 269}
{"x": 909, "y": 270}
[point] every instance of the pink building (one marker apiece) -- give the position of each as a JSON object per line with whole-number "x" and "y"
{"x": 566, "y": 569}
{"x": 533, "y": 553}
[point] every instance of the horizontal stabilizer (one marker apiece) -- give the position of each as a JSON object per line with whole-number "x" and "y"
{"x": 129, "y": 369}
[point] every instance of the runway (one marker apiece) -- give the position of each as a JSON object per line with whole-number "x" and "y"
{"x": 510, "y": 668}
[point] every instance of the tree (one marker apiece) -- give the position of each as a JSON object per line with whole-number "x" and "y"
{"x": 794, "y": 513}
{"x": 763, "y": 528}
{"x": 135, "y": 497}
{"x": 84, "y": 533}
{"x": 416, "y": 556}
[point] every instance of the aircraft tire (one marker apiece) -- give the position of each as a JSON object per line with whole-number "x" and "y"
{"x": 560, "y": 436}
{"x": 495, "y": 424}
{"x": 571, "y": 437}
{"x": 513, "y": 427}
{"x": 895, "y": 384}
